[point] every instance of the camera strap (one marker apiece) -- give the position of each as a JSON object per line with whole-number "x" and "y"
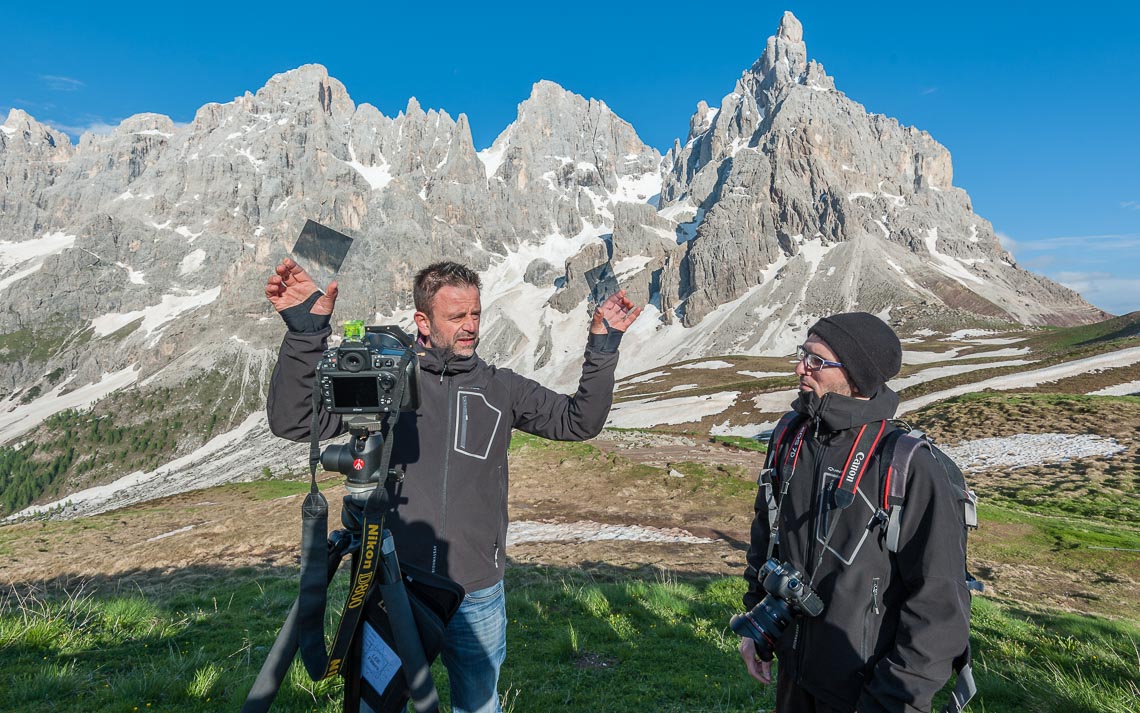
{"x": 312, "y": 598}
{"x": 314, "y": 558}
{"x": 844, "y": 493}
{"x": 793, "y": 455}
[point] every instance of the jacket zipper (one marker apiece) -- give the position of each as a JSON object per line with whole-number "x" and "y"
{"x": 499, "y": 473}
{"x": 872, "y": 608}
{"x": 815, "y": 495}
{"x": 446, "y": 460}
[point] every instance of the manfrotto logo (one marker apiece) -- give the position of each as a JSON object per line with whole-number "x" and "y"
{"x": 855, "y": 463}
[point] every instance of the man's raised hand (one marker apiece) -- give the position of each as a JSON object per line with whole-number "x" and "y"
{"x": 290, "y": 286}
{"x": 618, "y": 312}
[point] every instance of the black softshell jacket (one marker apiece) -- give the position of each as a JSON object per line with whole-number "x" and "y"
{"x": 893, "y": 623}
{"x": 449, "y": 513}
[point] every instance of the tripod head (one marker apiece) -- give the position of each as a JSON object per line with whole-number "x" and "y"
{"x": 359, "y": 460}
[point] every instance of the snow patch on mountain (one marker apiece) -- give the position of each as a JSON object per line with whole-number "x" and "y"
{"x": 27, "y": 257}
{"x": 17, "y": 419}
{"x": 223, "y": 459}
{"x": 950, "y": 266}
{"x": 1131, "y": 388}
{"x": 898, "y": 384}
{"x": 155, "y": 317}
{"x": 1028, "y": 449}
{"x": 377, "y": 176}
{"x": 711, "y": 364}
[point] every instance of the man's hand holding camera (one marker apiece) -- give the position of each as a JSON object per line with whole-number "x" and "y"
{"x": 757, "y": 668}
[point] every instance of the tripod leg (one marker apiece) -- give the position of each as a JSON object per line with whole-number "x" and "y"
{"x": 407, "y": 636}
{"x": 284, "y": 649}
{"x": 275, "y": 668}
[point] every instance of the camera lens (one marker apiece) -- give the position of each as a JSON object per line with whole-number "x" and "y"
{"x": 763, "y": 624}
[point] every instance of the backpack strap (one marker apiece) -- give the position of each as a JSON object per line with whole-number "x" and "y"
{"x": 783, "y": 427}
{"x": 964, "y": 686}
{"x": 770, "y": 475}
{"x": 898, "y": 452}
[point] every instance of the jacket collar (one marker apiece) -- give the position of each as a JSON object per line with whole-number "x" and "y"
{"x": 835, "y": 412}
{"x": 436, "y": 361}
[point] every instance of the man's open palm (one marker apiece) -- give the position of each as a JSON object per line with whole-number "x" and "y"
{"x": 618, "y": 312}
{"x": 291, "y": 286}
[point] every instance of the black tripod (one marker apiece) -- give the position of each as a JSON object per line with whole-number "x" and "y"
{"x": 374, "y": 561}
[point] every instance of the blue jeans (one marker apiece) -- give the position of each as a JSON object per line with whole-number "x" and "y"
{"x": 474, "y": 649}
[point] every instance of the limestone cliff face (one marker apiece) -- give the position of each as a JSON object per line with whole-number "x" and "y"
{"x": 149, "y": 247}
{"x": 788, "y": 164}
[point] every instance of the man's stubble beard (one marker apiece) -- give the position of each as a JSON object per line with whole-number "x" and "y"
{"x": 447, "y": 351}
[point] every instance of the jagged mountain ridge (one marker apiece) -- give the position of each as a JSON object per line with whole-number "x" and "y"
{"x": 146, "y": 250}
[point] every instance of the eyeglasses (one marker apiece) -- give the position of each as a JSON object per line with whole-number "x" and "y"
{"x": 813, "y": 362}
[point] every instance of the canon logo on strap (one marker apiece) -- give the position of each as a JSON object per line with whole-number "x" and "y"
{"x": 855, "y": 463}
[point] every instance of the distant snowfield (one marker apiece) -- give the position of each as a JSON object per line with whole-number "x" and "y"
{"x": 925, "y": 357}
{"x": 28, "y": 256}
{"x": 524, "y": 531}
{"x": 1027, "y": 379}
{"x": 711, "y": 364}
{"x": 898, "y": 384}
{"x": 1129, "y": 389}
{"x": 763, "y": 374}
{"x": 155, "y": 317}
{"x": 1029, "y": 449}
{"x": 239, "y": 454}
{"x": 642, "y": 414}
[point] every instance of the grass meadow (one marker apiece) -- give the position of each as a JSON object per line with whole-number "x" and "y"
{"x": 575, "y": 643}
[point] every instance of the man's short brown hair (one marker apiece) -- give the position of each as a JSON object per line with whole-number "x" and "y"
{"x": 441, "y": 274}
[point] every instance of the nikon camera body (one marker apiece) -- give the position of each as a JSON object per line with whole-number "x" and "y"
{"x": 361, "y": 375}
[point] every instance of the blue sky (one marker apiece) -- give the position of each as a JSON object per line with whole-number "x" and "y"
{"x": 1037, "y": 102}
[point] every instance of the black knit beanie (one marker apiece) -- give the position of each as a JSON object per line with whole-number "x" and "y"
{"x": 866, "y": 346}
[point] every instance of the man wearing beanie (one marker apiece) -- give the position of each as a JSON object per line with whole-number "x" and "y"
{"x": 892, "y": 621}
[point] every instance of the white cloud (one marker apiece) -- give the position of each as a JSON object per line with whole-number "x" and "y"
{"x": 1118, "y": 295}
{"x": 95, "y": 126}
{"x": 929, "y": 90}
{"x": 1006, "y": 242}
{"x": 61, "y": 84}
{"x": 1106, "y": 241}
{"x": 1134, "y": 205}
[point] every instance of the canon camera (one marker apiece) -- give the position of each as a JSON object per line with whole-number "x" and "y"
{"x": 361, "y": 375}
{"x": 788, "y": 596}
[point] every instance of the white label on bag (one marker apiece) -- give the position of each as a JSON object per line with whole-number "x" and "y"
{"x": 379, "y": 663}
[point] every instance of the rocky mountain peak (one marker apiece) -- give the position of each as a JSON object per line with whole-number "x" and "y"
{"x": 785, "y": 57}
{"x": 787, "y": 201}
{"x": 304, "y": 88}
{"x": 413, "y": 109}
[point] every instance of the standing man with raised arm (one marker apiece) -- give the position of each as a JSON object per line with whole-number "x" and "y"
{"x": 449, "y": 512}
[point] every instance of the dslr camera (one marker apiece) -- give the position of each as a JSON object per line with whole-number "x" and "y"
{"x": 361, "y": 375}
{"x": 788, "y": 596}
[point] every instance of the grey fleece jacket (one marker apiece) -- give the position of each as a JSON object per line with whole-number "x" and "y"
{"x": 449, "y": 513}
